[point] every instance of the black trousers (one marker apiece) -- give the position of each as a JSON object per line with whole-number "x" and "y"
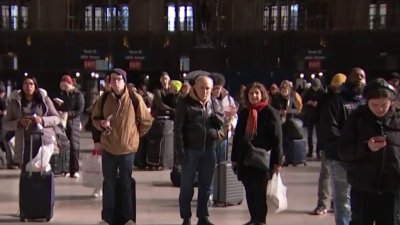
{"x": 74, "y": 138}
{"x": 370, "y": 208}
{"x": 311, "y": 124}
{"x": 256, "y": 195}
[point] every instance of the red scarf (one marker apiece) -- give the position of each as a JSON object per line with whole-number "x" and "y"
{"x": 251, "y": 125}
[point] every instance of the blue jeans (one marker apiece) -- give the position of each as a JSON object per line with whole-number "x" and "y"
{"x": 115, "y": 166}
{"x": 324, "y": 192}
{"x": 203, "y": 162}
{"x": 340, "y": 191}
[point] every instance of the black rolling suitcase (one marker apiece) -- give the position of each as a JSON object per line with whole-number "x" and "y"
{"x": 160, "y": 143}
{"x": 227, "y": 189}
{"x": 294, "y": 151}
{"x": 36, "y": 189}
{"x": 117, "y": 208}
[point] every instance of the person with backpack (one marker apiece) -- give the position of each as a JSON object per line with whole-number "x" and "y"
{"x": 370, "y": 145}
{"x": 122, "y": 117}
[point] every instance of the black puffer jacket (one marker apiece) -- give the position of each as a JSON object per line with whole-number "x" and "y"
{"x": 192, "y": 127}
{"x": 74, "y": 104}
{"x": 371, "y": 171}
{"x": 269, "y": 137}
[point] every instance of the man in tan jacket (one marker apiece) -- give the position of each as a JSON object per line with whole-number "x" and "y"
{"x": 122, "y": 116}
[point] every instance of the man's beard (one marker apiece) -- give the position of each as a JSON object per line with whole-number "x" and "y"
{"x": 357, "y": 88}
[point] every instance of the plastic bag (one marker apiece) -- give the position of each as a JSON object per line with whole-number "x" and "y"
{"x": 41, "y": 162}
{"x": 276, "y": 194}
{"x": 92, "y": 175}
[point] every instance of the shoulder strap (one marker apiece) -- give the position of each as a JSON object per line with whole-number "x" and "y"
{"x": 132, "y": 96}
{"x": 134, "y": 99}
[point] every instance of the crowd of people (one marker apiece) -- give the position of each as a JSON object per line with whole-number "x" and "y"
{"x": 357, "y": 127}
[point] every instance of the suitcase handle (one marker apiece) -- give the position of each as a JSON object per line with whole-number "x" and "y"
{"x": 31, "y": 151}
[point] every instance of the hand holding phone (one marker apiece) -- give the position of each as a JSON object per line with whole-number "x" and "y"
{"x": 376, "y": 143}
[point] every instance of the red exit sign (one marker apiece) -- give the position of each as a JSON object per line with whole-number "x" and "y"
{"x": 314, "y": 64}
{"x": 89, "y": 64}
{"x": 135, "y": 64}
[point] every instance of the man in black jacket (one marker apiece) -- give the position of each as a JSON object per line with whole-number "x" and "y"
{"x": 311, "y": 100}
{"x": 334, "y": 114}
{"x": 197, "y": 123}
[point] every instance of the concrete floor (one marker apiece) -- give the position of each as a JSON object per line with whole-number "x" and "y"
{"x": 157, "y": 202}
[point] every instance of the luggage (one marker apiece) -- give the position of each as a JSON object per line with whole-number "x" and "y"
{"x": 293, "y": 129}
{"x": 227, "y": 189}
{"x": 295, "y": 152}
{"x": 175, "y": 175}
{"x": 140, "y": 155}
{"x": 60, "y": 162}
{"x": 117, "y": 208}
{"x": 36, "y": 189}
{"x": 160, "y": 143}
{"x": 3, "y": 160}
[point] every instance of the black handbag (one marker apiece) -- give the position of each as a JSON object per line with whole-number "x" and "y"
{"x": 257, "y": 157}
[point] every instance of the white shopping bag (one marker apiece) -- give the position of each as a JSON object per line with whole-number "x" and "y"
{"x": 276, "y": 194}
{"x": 41, "y": 161}
{"x": 92, "y": 175}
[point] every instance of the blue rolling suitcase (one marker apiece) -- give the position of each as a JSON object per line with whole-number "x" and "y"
{"x": 36, "y": 189}
{"x": 294, "y": 151}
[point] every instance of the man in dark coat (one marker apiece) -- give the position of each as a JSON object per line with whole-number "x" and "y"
{"x": 197, "y": 122}
{"x": 311, "y": 99}
{"x": 332, "y": 119}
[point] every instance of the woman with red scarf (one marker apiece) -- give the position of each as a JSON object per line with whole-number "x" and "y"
{"x": 258, "y": 123}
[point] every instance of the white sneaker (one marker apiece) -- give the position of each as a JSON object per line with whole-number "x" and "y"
{"x": 97, "y": 193}
{"x": 103, "y": 223}
{"x": 130, "y": 222}
{"x": 76, "y": 175}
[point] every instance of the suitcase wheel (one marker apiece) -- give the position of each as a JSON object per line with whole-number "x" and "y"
{"x": 48, "y": 219}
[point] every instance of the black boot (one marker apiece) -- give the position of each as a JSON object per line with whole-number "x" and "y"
{"x": 204, "y": 221}
{"x": 186, "y": 222}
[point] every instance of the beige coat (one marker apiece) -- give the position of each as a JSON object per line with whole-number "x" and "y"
{"x": 14, "y": 114}
{"x": 127, "y": 123}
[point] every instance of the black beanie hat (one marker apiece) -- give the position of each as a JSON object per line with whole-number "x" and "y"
{"x": 121, "y": 72}
{"x": 379, "y": 88}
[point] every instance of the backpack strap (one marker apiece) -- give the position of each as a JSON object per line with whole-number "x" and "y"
{"x": 132, "y": 96}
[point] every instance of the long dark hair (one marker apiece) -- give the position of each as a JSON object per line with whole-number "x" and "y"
{"x": 37, "y": 96}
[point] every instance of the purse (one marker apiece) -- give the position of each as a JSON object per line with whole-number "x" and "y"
{"x": 257, "y": 157}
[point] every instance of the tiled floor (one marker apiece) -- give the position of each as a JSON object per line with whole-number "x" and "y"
{"x": 157, "y": 200}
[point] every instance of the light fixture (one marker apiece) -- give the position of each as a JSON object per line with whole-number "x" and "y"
{"x": 184, "y": 75}
{"x": 25, "y": 74}
{"x": 92, "y": 74}
{"x": 147, "y": 77}
{"x": 77, "y": 74}
{"x": 302, "y": 75}
{"x": 312, "y": 76}
{"x": 320, "y": 74}
{"x": 96, "y": 75}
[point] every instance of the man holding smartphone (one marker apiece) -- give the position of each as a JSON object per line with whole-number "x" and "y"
{"x": 370, "y": 146}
